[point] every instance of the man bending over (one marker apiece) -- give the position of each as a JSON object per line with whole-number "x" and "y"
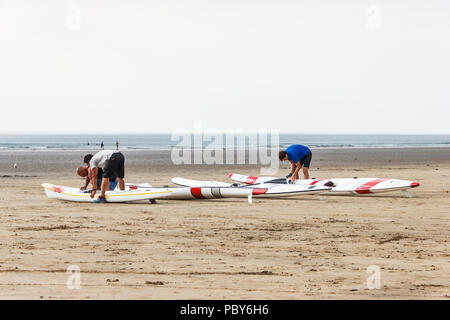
{"x": 113, "y": 164}
{"x": 84, "y": 173}
{"x": 300, "y": 157}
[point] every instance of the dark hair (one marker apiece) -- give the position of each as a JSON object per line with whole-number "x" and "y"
{"x": 282, "y": 155}
{"x": 87, "y": 158}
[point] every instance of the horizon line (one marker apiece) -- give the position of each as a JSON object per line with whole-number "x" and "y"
{"x": 170, "y": 133}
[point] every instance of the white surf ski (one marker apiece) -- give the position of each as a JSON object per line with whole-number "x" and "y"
{"x": 261, "y": 190}
{"x": 132, "y": 193}
{"x": 196, "y": 190}
{"x": 344, "y": 186}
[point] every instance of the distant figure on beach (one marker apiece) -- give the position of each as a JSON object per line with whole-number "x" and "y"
{"x": 300, "y": 157}
{"x": 113, "y": 164}
{"x": 117, "y": 145}
{"x": 102, "y": 146}
{"x": 15, "y": 165}
{"x": 84, "y": 173}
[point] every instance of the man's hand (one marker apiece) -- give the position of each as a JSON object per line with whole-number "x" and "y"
{"x": 86, "y": 181}
{"x": 295, "y": 169}
{"x": 94, "y": 191}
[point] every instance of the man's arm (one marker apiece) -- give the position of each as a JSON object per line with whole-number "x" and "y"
{"x": 93, "y": 176}
{"x": 297, "y": 169}
{"x": 292, "y": 170}
{"x": 94, "y": 172}
{"x": 292, "y": 166}
{"x": 86, "y": 183}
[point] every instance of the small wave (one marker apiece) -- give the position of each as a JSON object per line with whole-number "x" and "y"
{"x": 331, "y": 145}
{"x": 161, "y": 146}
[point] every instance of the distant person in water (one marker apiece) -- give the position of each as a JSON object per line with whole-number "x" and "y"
{"x": 113, "y": 165}
{"x": 84, "y": 173}
{"x": 117, "y": 145}
{"x": 300, "y": 157}
{"x": 102, "y": 146}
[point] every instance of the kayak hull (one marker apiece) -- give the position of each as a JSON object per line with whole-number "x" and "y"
{"x": 211, "y": 189}
{"x": 138, "y": 193}
{"x": 339, "y": 186}
{"x": 76, "y": 195}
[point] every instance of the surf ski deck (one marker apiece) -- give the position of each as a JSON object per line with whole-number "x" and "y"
{"x": 218, "y": 190}
{"x": 132, "y": 193}
{"x": 261, "y": 190}
{"x": 343, "y": 186}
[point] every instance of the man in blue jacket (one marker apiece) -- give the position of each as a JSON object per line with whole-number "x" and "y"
{"x": 300, "y": 157}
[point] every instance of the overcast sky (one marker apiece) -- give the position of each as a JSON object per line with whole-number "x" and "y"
{"x": 329, "y": 66}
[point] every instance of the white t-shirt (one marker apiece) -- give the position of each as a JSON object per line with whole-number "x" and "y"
{"x": 99, "y": 159}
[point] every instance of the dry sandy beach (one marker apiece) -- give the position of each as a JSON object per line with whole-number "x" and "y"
{"x": 299, "y": 248}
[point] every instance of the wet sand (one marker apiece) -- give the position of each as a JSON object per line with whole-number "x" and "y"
{"x": 299, "y": 248}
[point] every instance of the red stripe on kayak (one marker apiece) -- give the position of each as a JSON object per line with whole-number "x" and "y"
{"x": 415, "y": 184}
{"x": 57, "y": 189}
{"x": 259, "y": 191}
{"x": 197, "y": 193}
{"x": 314, "y": 182}
{"x": 365, "y": 188}
{"x": 251, "y": 180}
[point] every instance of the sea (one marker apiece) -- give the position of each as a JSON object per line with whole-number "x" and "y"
{"x": 167, "y": 141}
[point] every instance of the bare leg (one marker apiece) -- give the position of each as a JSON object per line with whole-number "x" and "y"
{"x": 306, "y": 172}
{"x": 105, "y": 186}
{"x": 121, "y": 184}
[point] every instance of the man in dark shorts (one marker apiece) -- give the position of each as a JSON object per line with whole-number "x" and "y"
{"x": 300, "y": 157}
{"x": 113, "y": 163}
{"x": 84, "y": 173}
